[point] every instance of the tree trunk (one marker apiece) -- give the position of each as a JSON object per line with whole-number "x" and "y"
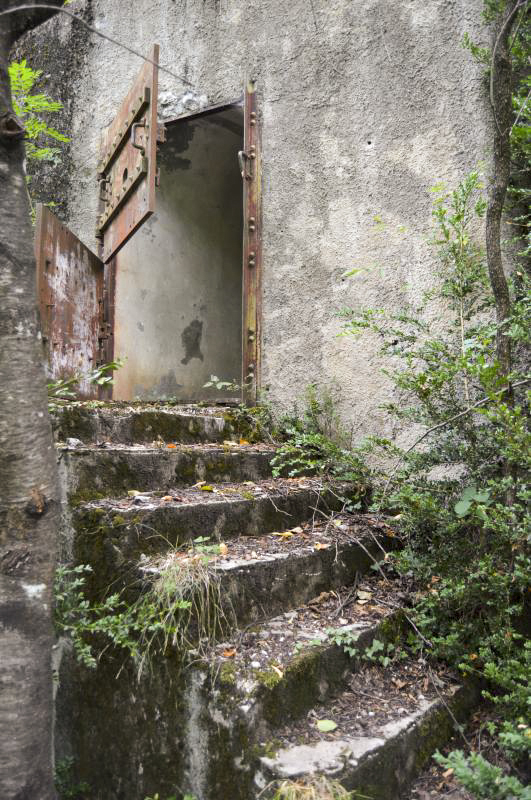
{"x": 29, "y": 508}
{"x": 501, "y": 101}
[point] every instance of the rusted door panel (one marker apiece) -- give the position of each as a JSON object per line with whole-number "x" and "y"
{"x": 127, "y": 169}
{"x": 70, "y": 292}
{"x": 250, "y": 164}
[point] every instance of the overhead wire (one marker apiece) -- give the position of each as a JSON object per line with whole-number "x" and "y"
{"x": 30, "y": 6}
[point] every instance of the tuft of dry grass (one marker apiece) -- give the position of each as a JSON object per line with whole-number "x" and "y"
{"x": 320, "y": 788}
{"x": 184, "y": 599}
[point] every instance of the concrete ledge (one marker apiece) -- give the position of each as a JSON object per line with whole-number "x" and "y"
{"x": 112, "y": 538}
{"x": 381, "y": 766}
{"x": 270, "y": 585}
{"x": 129, "y": 425}
{"x": 91, "y": 473}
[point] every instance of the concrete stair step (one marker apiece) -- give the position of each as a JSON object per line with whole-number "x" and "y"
{"x": 277, "y": 671}
{"x": 263, "y": 576}
{"x": 122, "y": 423}
{"x": 389, "y": 723}
{"x": 113, "y": 535}
{"x": 272, "y": 675}
{"x": 95, "y": 472}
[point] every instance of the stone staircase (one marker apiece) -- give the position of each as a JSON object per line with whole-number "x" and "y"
{"x": 294, "y": 593}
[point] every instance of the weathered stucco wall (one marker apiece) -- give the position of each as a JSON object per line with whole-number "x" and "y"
{"x": 364, "y": 105}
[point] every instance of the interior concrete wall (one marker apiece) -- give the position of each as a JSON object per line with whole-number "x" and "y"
{"x": 178, "y": 303}
{"x": 363, "y": 104}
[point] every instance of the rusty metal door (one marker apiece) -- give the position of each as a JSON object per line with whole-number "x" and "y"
{"x": 70, "y": 293}
{"x": 250, "y": 166}
{"x": 127, "y": 168}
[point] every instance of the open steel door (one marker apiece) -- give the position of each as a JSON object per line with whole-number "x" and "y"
{"x": 70, "y": 290}
{"x": 250, "y": 166}
{"x": 127, "y": 168}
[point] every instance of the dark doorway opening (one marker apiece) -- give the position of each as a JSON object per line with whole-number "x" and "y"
{"x": 178, "y": 292}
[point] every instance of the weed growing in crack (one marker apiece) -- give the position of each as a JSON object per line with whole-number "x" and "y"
{"x": 179, "y": 609}
{"x": 319, "y": 789}
{"x": 187, "y": 587}
{"x": 314, "y": 443}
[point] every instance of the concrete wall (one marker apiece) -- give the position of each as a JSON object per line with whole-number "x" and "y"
{"x": 178, "y": 309}
{"x": 364, "y": 105}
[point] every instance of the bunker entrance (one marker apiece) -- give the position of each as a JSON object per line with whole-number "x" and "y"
{"x": 175, "y": 288}
{"x": 178, "y": 291}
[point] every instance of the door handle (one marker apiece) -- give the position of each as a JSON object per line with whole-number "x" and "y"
{"x": 134, "y": 126}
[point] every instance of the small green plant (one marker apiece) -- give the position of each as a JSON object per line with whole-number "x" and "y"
{"x": 30, "y": 108}
{"x": 222, "y": 386}
{"x": 65, "y": 388}
{"x": 382, "y": 653}
{"x": 179, "y": 608}
{"x": 253, "y": 423}
{"x": 483, "y": 779}
{"x": 315, "y": 444}
{"x": 67, "y": 788}
{"x": 346, "y": 638}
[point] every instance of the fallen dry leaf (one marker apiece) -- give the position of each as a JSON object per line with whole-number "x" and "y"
{"x": 167, "y": 498}
{"x": 321, "y": 545}
{"x": 277, "y": 670}
{"x": 244, "y": 441}
{"x": 298, "y": 529}
{"x": 448, "y": 772}
{"x": 229, "y": 653}
{"x": 283, "y": 534}
{"x": 171, "y": 446}
{"x": 223, "y": 549}
{"x": 319, "y": 599}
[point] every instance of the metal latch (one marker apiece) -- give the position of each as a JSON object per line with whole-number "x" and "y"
{"x": 245, "y": 160}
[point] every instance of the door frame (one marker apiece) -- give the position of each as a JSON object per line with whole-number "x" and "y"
{"x": 252, "y": 243}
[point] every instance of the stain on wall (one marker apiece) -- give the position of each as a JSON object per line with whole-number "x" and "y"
{"x": 191, "y": 340}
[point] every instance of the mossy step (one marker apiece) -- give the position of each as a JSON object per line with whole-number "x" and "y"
{"x": 283, "y": 667}
{"x": 93, "y": 473}
{"x": 273, "y": 677}
{"x": 378, "y": 762}
{"x": 125, "y": 424}
{"x": 113, "y": 535}
{"x": 260, "y": 577}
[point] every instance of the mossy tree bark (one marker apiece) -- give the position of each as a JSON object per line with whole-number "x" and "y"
{"x": 501, "y": 102}
{"x": 28, "y": 483}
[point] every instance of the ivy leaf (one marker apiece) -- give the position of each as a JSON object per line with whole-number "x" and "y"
{"x": 462, "y": 508}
